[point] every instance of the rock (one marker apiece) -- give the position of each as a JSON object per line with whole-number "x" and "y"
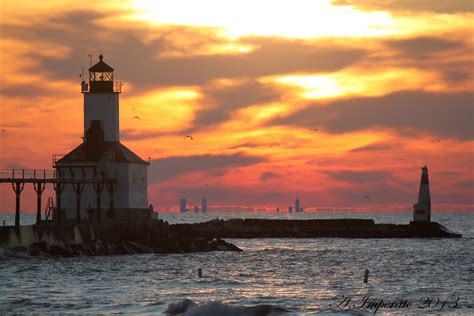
{"x": 119, "y": 249}
{"x": 60, "y": 251}
{"x": 77, "y": 249}
{"x": 127, "y": 249}
{"x": 18, "y": 249}
{"x": 225, "y": 246}
{"x": 40, "y": 245}
{"x": 137, "y": 248}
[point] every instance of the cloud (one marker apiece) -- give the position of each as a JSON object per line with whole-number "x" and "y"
{"x": 359, "y": 176}
{"x": 220, "y": 195}
{"x": 267, "y": 175}
{"x": 229, "y": 98}
{"x": 451, "y": 6}
{"x": 374, "y": 147}
{"x": 166, "y": 168}
{"x": 421, "y": 46}
{"x": 144, "y": 65}
{"x": 135, "y": 134}
{"x": 444, "y": 114}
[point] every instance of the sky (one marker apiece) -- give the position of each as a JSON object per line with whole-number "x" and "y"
{"x": 328, "y": 101}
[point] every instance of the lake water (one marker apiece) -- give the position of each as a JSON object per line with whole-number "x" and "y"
{"x": 300, "y": 276}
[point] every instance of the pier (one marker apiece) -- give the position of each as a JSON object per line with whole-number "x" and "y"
{"x": 17, "y": 178}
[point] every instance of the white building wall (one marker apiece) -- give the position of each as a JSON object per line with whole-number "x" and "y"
{"x": 88, "y": 195}
{"x": 131, "y": 189}
{"x": 103, "y": 107}
{"x": 137, "y": 185}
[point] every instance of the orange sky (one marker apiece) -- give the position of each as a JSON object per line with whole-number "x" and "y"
{"x": 387, "y": 84}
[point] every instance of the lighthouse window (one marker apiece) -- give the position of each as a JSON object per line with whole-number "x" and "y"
{"x": 101, "y": 76}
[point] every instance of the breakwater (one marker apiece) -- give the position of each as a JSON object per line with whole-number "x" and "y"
{"x": 158, "y": 236}
{"x": 315, "y": 228}
{"x": 71, "y": 239}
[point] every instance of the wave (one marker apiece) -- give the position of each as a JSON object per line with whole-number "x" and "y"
{"x": 6, "y": 253}
{"x": 188, "y": 307}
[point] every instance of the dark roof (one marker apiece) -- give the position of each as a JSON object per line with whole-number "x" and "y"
{"x": 101, "y": 66}
{"x": 120, "y": 153}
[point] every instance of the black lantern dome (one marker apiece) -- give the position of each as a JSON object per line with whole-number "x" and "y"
{"x": 101, "y": 77}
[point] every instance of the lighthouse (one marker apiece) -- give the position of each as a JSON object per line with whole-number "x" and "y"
{"x": 422, "y": 209}
{"x": 102, "y": 155}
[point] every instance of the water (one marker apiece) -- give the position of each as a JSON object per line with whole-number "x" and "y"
{"x": 303, "y": 276}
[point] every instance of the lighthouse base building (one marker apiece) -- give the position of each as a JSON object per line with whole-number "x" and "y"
{"x": 102, "y": 156}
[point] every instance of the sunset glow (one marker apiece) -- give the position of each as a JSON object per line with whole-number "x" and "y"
{"x": 328, "y": 100}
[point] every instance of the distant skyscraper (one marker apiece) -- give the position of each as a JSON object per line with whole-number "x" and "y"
{"x": 297, "y": 205}
{"x": 182, "y": 205}
{"x": 278, "y": 210}
{"x": 290, "y": 209}
{"x": 196, "y": 209}
{"x": 204, "y": 205}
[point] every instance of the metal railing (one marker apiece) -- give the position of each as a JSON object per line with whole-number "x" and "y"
{"x": 20, "y": 174}
{"x": 56, "y": 158}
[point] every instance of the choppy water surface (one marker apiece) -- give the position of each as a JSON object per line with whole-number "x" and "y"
{"x": 302, "y": 276}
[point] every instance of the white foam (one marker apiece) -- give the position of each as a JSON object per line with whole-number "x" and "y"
{"x": 187, "y": 307}
{"x": 77, "y": 236}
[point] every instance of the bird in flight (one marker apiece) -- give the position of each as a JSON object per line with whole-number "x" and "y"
{"x": 438, "y": 140}
{"x": 316, "y": 129}
{"x": 188, "y": 137}
{"x": 136, "y": 117}
{"x": 4, "y": 130}
{"x": 366, "y": 197}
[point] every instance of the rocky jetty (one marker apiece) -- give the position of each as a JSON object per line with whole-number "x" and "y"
{"x": 339, "y": 228}
{"x": 157, "y": 236}
{"x": 68, "y": 240}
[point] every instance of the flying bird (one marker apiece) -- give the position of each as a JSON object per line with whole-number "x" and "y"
{"x": 316, "y": 129}
{"x": 366, "y": 197}
{"x": 136, "y": 117}
{"x": 438, "y": 140}
{"x": 4, "y": 130}
{"x": 188, "y": 137}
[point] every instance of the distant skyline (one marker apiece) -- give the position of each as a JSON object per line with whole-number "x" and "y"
{"x": 253, "y": 103}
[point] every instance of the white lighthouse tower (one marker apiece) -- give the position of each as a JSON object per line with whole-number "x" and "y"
{"x": 102, "y": 155}
{"x": 101, "y": 100}
{"x": 422, "y": 209}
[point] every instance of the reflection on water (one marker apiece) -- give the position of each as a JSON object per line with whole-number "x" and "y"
{"x": 302, "y": 275}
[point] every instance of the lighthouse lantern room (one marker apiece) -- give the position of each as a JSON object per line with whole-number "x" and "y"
{"x": 102, "y": 155}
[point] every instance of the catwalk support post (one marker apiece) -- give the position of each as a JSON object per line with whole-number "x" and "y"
{"x": 98, "y": 188}
{"x": 39, "y": 188}
{"x": 78, "y": 188}
{"x": 18, "y": 188}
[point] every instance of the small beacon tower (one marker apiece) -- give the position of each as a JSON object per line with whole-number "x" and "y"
{"x": 422, "y": 209}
